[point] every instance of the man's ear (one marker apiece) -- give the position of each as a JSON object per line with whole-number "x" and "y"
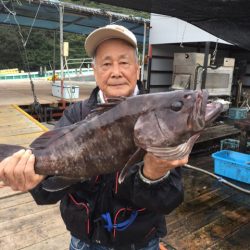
{"x": 138, "y": 71}
{"x": 93, "y": 67}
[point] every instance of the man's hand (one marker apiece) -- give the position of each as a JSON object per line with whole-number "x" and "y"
{"x": 17, "y": 171}
{"x": 154, "y": 168}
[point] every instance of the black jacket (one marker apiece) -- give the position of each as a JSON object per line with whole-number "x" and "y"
{"x": 89, "y": 209}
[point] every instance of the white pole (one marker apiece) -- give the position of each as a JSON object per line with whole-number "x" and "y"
{"x": 61, "y": 47}
{"x": 143, "y": 51}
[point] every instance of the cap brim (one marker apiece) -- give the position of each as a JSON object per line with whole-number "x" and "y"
{"x": 103, "y": 34}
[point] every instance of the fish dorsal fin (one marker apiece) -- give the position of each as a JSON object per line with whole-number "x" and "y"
{"x": 45, "y": 139}
{"x": 103, "y": 107}
{"x": 98, "y": 111}
{"x": 116, "y": 100}
{"x": 128, "y": 168}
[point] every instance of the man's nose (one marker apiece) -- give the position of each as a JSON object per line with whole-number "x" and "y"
{"x": 116, "y": 71}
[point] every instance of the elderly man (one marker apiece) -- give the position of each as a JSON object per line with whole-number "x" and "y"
{"x": 101, "y": 213}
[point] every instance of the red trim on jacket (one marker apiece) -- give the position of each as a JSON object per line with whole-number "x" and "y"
{"x": 82, "y": 204}
{"x": 120, "y": 210}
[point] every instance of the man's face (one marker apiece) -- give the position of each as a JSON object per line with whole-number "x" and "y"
{"x": 116, "y": 68}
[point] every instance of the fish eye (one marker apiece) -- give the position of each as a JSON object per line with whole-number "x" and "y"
{"x": 177, "y": 106}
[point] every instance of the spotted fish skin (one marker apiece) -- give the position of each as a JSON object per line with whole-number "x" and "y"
{"x": 105, "y": 142}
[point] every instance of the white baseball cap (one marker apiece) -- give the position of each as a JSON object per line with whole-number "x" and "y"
{"x": 98, "y": 36}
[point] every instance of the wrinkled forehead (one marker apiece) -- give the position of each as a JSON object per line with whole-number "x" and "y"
{"x": 113, "y": 42}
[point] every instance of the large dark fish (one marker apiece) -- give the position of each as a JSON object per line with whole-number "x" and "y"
{"x": 165, "y": 124}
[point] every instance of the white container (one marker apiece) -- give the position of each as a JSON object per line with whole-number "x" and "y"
{"x": 224, "y": 103}
{"x": 69, "y": 91}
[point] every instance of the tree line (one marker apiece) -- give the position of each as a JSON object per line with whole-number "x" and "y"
{"x": 39, "y": 49}
{"x": 42, "y": 44}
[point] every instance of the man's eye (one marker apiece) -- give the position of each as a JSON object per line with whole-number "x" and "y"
{"x": 106, "y": 65}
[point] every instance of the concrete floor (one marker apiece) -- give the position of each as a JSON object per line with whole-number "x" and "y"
{"x": 19, "y": 91}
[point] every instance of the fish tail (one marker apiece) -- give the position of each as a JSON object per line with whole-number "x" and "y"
{"x": 7, "y": 150}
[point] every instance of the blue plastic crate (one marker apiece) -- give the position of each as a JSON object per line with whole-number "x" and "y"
{"x": 231, "y": 144}
{"x": 237, "y": 113}
{"x": 233, "y": 165}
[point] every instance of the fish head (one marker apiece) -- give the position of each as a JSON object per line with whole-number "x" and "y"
{"x": 177, "y": 117}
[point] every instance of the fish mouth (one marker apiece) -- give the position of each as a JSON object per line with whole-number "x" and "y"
{"x": 210, "y": 110}
{"x": 213, "y": 109}
{"x": 204, "y": 112}
{"x": 196, "y": 120}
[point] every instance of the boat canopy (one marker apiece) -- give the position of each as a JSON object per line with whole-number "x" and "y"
{"x": 45, "y": 14}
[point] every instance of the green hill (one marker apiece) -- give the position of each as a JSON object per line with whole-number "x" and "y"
{"x": 40, "y": 46}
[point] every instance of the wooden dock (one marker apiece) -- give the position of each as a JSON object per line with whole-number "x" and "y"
{"x": 17, "y": 127}
{"x": 23, "y": 224}
{"x": 213, "y": 216}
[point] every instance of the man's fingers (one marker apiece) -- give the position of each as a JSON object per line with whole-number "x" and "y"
{"x": 4, "y": 161}
{"x": 32, "y": 179}
{"x": 18, "y": 172}
{"x": 2, "y": 164}
{"x": 8, "y": 169}
{"x": 2, "y": 185}
{"x": 159, "y": 161}
{"x": 11, "y": 162}
{"x": 180, "y": 162}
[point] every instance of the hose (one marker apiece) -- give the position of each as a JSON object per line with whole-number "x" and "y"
{"x": 220, "y": 179}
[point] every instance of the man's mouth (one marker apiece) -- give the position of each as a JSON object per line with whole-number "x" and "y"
{"x": 114, "y": 85}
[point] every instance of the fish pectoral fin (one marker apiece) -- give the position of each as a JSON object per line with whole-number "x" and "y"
{"x": 128, "y": 168}
{"x": 174, "y": 153}
{"x": 7, "y": 150}
{"x": 58, "y": 183}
